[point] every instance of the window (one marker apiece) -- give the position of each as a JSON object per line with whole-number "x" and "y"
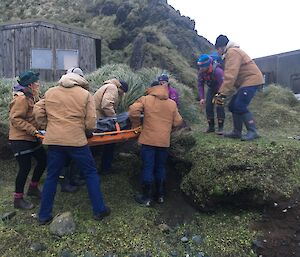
{"x": 66, "y": 59}
{"x": 41, "y": 59}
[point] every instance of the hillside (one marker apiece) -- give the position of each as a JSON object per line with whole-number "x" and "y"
{"x": 140, "y": 33}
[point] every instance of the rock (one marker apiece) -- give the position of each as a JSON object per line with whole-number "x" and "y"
{"x": 197, "y": 239}
{"x": 201, "y": 254}
{"x": 184, "y": 239}
{"x": 66, "y": 253}
{"x": 257, "y": 244}
{"x": 63, "y": 224}
{"x": 164, "y": 228}
{"x": 8, "y": 215}
{"x": 36, "y": 247}
{"x": 173, "y": 254}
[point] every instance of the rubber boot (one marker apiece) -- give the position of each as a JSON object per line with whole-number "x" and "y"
{"x": 211, "y": 126}
{"x": 66, "y": 186}
{"x": 146, "y": 197}
{"x": 20, "y": 203}
{"x": 251, "y": 128}
{"x": 220, "y": 130}
{"x": 237, "y": 126}
{"x": 34, "y": 192}
{"x": 160, "y": 191}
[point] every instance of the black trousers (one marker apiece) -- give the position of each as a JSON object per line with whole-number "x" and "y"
{"x": 24, "y": 162}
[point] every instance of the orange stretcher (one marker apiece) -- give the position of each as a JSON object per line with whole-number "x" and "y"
{"x": 116, "y": 136}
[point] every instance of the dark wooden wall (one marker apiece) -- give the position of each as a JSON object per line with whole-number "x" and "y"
{"x": 16, "y": 43}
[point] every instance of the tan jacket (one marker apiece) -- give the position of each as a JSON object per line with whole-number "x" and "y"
{"x": 240, "y": 71}
{"x": 107, "y": 98}
{"x": 21, "y": 121}
{"x": 67, "y": 110}
{"x": 160, "y": 116}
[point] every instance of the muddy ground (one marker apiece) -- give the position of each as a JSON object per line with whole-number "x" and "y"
{"x": 280, "y": 227}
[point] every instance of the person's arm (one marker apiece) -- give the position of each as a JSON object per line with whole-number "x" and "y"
{"x": 108, "y": 101}
{"x": 135, "y": 111}
{"x": 90, "y": 116}
{"x": 200, "y": 87}
{"x": 40, "y": 115}
{"x": 177, "y": 119}
{"x": 18, "y": 113}
{"x": 233, "y": 63}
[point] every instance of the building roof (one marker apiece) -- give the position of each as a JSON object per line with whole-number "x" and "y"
{"x": 48, "y": 24}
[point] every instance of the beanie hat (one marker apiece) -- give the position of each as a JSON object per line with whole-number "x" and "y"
{"x": 76, "y": 70}
{"x": 221, "y": 41}
{"x": 154, "y": 83}
{"x": 163, "y": 77}
{"x": 124, "y": 86}
{"x": 204, "y": 61}
{"x": 28, "y": 77}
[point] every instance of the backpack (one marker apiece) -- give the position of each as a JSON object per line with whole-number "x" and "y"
{"x": 217, "y": 61}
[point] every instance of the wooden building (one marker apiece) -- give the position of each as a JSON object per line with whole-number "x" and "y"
{"x": 282, "y": 69}
{"x": 46, "y": 47}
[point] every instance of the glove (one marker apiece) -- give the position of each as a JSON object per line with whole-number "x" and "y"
{"x": 219, "y": 99}
{"x": 38, "y": 133}
{"x": 88, "y": 134}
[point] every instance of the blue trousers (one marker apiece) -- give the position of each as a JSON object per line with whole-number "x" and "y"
{"x": 107, "y": 157}
{"x": 58, "y": 157}
{"x": 240, "y": 101}
{"x": 154, "y": 163}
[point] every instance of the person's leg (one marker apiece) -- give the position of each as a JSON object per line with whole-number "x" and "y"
{"x": 236, "y": 119}
{"x": 209, "y": 107}
{"x": 57, "y": 158}
{"x": 41, "y": 163}
{"x": 24, "y": 162}
{"x": 107, "y": 158}
{"x": 148, "y": 158}
{"x": 83, "y": 158}
{"x": 65, "y": 179}
{"x": 161, "y": 156}
{"x": 245, "y": 96}
{"x": 221, "y": 118}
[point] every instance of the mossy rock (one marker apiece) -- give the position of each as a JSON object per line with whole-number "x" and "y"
{"x": 249, "y": 173}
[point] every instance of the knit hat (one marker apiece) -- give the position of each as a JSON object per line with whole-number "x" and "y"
{"x": 221, "y": 41}
{"x": 204, "y": 61}
{"x": 154, "y": 83}
{"x": 28, "y": 77}
{"x": 76, "y": 70}
{"x": 124, "y": 86}
{"x": 163, "y": 77}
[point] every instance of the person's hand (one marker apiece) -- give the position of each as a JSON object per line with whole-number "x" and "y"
{"x": 219, "y": 99}
{"x": 202, "y": 101}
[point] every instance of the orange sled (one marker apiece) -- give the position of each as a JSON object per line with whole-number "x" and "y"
{"x": 116, "y": 136}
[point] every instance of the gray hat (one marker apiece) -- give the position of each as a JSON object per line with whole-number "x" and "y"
{"x": 76, "y": 70}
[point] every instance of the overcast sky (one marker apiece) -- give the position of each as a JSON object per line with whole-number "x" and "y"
{"x": 260, "y": 27}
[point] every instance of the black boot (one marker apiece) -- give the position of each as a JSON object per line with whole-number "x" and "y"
{"x": 146, "y": 197}
{"x": 211, "y": 126}
{"x": 34, "y": 191}
{"x": 66, "y": 186}
{"x": 20, "y": 203}
{"x": 237, "y": 126}
{"x": 251, "y": 128}
{"x": 160, "y": 191}
{"x": 220, "y": 130}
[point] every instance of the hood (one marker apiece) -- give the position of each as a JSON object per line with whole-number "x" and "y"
{"x": 160, "y": 92}
{"x": 230, "y": 44}
{"x": 113, "y": 81}
{"x": 71, "y": 80}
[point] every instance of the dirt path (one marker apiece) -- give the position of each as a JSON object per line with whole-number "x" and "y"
{"x": 280, "y": 226}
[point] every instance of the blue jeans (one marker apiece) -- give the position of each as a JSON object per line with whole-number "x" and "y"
{"x": 242, "y": 99}
{"x": 154, "y": 163}
{"x": 58, "y": 157}
{"x": 210, "y": 114}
